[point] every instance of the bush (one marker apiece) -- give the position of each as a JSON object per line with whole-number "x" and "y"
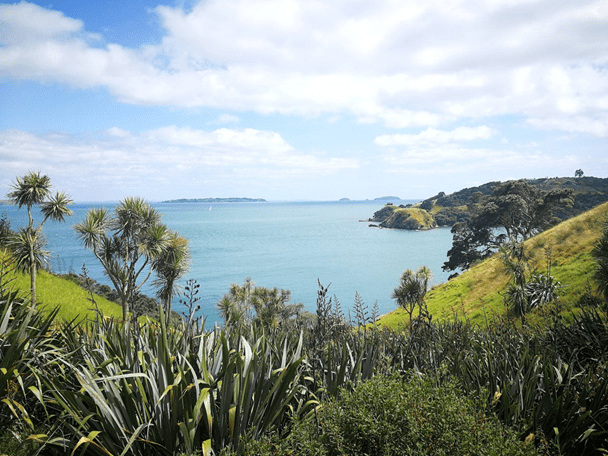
{"x": 389, "y": 416}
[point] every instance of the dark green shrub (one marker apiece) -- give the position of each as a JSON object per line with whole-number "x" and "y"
{"x": 389, "y": 416}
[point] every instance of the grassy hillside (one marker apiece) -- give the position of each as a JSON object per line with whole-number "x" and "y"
{"x": 72, "y": 300}
{"x": 476, "y": 293}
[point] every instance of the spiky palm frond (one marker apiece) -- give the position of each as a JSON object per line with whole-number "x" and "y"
{"x": 25, "y": 242}
{"x": 155, "y": 241}
{"x": 56, "y": 207}
{"x": 133, "y": 217}
{"x": 170, "y": 266}
{"x": 31, "y": 189}
{"x": 93, "y": 228}
{"x": 412, "y": 288}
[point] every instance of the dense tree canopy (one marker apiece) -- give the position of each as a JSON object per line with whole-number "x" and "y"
{"x": 514, "y": 212}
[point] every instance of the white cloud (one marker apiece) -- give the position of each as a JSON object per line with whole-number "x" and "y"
{"x": 461, "y": 163}
{"x": 227, "y": 118}
{"x": 177, "y": 160}
{"x": 402, "y": 63}
{"x": 26, "y": 22}
{"x": 434, "y": 136}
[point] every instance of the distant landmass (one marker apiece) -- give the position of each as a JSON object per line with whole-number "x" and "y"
{"x": 216, "y": 200}
{"x": 444, "y": 210}
{"x": 387, "y": 198}
{"x": 344, "y": 199}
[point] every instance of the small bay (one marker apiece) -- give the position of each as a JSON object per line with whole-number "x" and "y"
{"x": 289, "y": 245}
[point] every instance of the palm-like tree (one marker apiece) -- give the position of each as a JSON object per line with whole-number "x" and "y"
{"x": 235, "y": 306}
{"x": 127, "y": 244}
{"x": 31, "y": 190}
{"x": 412, "y": 289}
{"x": 171, "y": 266}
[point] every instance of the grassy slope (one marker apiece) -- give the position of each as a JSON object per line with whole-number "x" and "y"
{"x": 72, "y": 300}
{"x": 476, "y": 292}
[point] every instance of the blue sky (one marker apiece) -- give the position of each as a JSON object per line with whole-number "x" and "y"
{"x": 300, "y": 99}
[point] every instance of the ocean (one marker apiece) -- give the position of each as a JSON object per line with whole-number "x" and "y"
{"x": 289, "y": 245}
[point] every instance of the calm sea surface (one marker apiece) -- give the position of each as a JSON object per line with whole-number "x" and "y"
{"x": 287, "y": 245}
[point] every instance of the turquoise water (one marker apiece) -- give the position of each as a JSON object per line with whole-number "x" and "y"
{"x": 287, "y": 245}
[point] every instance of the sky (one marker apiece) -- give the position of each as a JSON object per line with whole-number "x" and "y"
{"x": 300, "y": 99}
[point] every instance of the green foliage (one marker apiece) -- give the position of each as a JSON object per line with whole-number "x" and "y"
{"x": 514, "y": 212}
{"x": 247, "y": 304}
{"x": 170, "y": 266}
{"x": 27, "y": 343}
{"x": 28, "y": 245}
{"x": 262, "y": 389}
{"x": 475, "y": 294}
{"x": 391, "y": 416}
{"x": 182, "y": 393}
{"x": 5, "y": 231}
{"x": 131, "y": 245}
{"x": 600, "y": 255}
{"x": 412, "y": 289}
{"x": 528, "y": 288}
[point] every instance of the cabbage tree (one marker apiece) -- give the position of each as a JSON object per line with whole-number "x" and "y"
{"x": 31, "y": 190}
{"x": 127, "y": 243}
{"x": 412, "y": 289}
{"x": 171, "y": 266}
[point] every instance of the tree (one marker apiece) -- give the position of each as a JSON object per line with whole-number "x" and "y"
{"x": 31, "y": 190}
{"x": 514, "y": 212}
{"x": 5, "y": 231}
{"x": 412, "y": 289}
{"x": 235, "y": 306}
{"x": 600, "y": 254}
{"x": 246, "y": 304}
{"x": 170, "y": 266}
{"x": 130, "y": 245}
{"x": 578, "y": 173}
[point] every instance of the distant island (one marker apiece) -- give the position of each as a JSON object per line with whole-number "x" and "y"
{"x": 344, "y": 199}
{"x": 216, "y": 200}
{"x": 387, "y": 198}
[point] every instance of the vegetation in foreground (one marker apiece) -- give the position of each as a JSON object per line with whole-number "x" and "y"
{"x": 284, "y": 390}
{"x": 277, "y": 384}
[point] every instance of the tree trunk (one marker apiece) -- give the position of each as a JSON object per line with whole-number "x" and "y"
{"x": 168, "y": 310}
{"x": 30, "y": 233}
{"x": 125, "y": 315}
{"x": 32, "y": 278}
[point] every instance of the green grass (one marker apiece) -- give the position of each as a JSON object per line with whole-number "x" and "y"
{"x": 411, "y": 217}
{"x": 73, "y": 301}
{"x": 476, "y": 293}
